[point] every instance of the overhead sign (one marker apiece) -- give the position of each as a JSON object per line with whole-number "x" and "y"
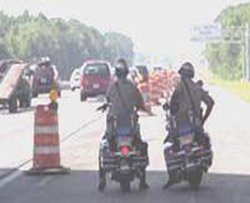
{"x": 216, "y": 33}
{"x": 204, "y": 33}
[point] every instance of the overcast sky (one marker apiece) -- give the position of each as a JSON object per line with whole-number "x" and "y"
{"x": 155, "y": 26}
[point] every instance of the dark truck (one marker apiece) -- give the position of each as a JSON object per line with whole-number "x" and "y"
{"x": 43, "y": 78}
{"x": 14, "y": 87}
{"x": 143, "y": 70}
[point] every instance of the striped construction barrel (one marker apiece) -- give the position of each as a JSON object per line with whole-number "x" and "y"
{"x": 144, "y": 88}
{"x": 46, "y": 139}
{"x": 154, "y": 94}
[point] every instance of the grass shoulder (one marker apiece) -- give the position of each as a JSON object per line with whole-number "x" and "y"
{"x": 239, "y": 88}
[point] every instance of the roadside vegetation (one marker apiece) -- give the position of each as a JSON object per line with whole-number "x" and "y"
{"x": 239, "y": 88}
{"x": 67, "y": 42}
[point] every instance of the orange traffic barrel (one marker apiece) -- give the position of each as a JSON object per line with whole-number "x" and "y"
{"x": 46, "y": 155}
{"x": 154, "y": 91}
{"x": 144, "y": 88}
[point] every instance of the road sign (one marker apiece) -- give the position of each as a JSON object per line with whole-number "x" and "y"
{"x": 205, "y": 33}
{"x": 216, "y": 33}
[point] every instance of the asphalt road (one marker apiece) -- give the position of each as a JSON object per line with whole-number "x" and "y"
{"x": 227, "y": 181}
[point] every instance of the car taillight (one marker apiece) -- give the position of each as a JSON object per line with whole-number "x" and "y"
{"x": 124, "y": 150}
{"x": 82, "y": 81}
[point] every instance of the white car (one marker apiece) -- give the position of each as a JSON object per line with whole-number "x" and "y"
{"x": 75, "y": 79}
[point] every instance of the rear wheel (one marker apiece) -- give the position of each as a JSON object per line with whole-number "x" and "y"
{"x": 13, "y": 105}
{"x": 34, "y": 94}
{"x": 59, "y": 93}
{"x": 83, "y": 97}
{"x": 25, "y": 101}
{"x": 102, "y": 177}
{"x": 125, "y": 186}
{"x": 194, "y": 179}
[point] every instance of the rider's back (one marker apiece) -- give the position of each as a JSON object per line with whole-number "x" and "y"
{"x": 181, "y": 99}
{"x": 124, "y": 97}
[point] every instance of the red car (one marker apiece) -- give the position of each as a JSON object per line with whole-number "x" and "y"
{"x": 95, "y": 78}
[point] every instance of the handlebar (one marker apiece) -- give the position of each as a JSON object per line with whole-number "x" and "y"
{"x": 103, "y": 107}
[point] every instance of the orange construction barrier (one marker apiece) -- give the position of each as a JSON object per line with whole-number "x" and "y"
{"x": 161, "y": 85}
{"x": 46, "y": 157}
{"x": 144, "y": 88}
{"x": 154, "y": 90}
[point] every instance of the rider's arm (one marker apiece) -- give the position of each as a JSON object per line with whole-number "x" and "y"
{"x": 175, "y": 101}
{"x": 139, "y": 103}
{"x": 209, "y": 102}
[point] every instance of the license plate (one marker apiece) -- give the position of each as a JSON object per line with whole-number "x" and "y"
{"x": 125, "y": 167}
{"x": 96, "y": 86}
{"x": 43, "y": 80}
{"x": 186, "y": 139}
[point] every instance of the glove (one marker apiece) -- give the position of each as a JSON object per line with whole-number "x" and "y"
{"x": 102, "y": 108}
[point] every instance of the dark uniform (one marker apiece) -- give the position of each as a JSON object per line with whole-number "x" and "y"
{"x": 181, "y": 105}
{"x": 123, "y": 90}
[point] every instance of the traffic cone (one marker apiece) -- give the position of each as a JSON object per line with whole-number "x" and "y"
{"x": 144, "y": 88}
{"x": 46, "y": 157}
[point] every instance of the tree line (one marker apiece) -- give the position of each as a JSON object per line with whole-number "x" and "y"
{"x": 67, "y": 43}
{"x": 226, "y": 58}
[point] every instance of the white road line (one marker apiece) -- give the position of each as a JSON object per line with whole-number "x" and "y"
{"x": 14, "y": 175}
{"x": 45, "y": 181}
{"x": 10, "y": 178}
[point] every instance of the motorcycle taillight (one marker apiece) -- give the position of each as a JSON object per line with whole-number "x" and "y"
{"x": 124, "y": 150}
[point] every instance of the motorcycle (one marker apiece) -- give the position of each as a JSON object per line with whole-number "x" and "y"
{"x": 121, "y": 156}
{"x": 187, "y": 152}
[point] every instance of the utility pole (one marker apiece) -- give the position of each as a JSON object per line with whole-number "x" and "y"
{"x": 246, "y": 73}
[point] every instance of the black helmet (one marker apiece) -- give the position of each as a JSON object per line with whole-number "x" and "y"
{"x": 187, "y": 70}
{"x": 121, "y": 68}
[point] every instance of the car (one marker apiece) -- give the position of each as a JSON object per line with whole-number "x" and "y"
{"x": 75, "y": 79}
{"x": 158, "y": 69}
{"x": 45, "y": 77}
{"x": 134, "y": 75}
{"x": 143, "y": 70}
{"x": 95, "y": 78}
{"x": 14, "y": 86}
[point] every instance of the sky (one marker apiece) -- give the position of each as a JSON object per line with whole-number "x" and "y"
{"x": 160, "y": 27}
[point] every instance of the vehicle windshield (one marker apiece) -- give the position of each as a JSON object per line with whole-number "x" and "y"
{"x": 4, "y": 67}
{"x": 97, "y": 69}
{"x": 143, "y": 70}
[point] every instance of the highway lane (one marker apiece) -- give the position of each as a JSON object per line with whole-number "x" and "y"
{"x": 227, "y": 181}
{"x": 17, "y": 130}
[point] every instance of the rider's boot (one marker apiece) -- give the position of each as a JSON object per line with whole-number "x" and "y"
{"x": 102, "y": 181}
{"x": 143, "y": 184}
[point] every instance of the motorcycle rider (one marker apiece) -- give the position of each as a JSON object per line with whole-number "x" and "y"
{"x": 185, "y": 105}
{"x": 124, "y": 98}
{"x": 47, "y": 66}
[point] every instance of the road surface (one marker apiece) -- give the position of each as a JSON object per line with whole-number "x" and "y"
{"x": 81, "y": 129}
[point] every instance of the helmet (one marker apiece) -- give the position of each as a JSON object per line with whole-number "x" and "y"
{"x": 121, "y": 68}
{"x": 187, "y": 70}
{"x": 45, "y": 61}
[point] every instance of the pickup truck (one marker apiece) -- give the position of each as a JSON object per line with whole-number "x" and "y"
{"x": 14, "y": 87}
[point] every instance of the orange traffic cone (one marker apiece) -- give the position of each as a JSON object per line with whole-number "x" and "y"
{"x": 46, "y": 157}
{"x": 144, "y": 88}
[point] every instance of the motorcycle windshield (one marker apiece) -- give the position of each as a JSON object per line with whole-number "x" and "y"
{"x": 124, "y": 131}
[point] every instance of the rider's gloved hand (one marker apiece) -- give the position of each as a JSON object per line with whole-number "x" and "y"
{"x": 102, "y": 108}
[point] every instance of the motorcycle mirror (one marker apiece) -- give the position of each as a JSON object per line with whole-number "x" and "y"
{"x": 166, "y": 106}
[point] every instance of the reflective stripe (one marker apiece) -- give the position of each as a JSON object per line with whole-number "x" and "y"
{"x": 170, "y": 168}
{"x": 46, "y": 130}
{"x": 47, "y": 150}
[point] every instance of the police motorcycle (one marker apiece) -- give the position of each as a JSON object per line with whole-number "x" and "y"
{"x": 187, "y": 152}
{"x": 122, "y": 156}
